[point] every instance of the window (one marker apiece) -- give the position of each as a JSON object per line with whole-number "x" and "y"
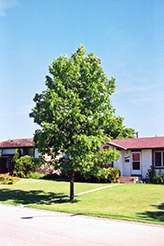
{"x": 28, "y": 151}
{"x": 159, "y": 158}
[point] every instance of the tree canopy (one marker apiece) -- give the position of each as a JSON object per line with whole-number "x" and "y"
{"x": 75, "y": 114}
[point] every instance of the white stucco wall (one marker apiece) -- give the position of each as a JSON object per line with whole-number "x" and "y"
{"x": 36, "y": 153}
{"x": 119, "y": 164}
{"x": 123, "y": 166}
{"x": 126, "y": 167}
{"x": 103, "y": 145}
{"x": 146, "y": 161}
{"x": 159, "y": 170}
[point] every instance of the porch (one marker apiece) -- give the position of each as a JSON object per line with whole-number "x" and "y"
{"x": 127, "y": 179}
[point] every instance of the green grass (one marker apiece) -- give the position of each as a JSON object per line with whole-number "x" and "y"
{"x": 37, "y": 190}
{"x": 135, "y": 202}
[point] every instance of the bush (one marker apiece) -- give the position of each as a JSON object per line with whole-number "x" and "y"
{"x": 24, "y": 165}
{"x": 7, "y": 179}
{"x": 152, "y": 177}
{"x": 108, "y": 175}
{"x": 34, "y": 175}
{"x": 104, "y": 175}
{"x": 159, "y": 178}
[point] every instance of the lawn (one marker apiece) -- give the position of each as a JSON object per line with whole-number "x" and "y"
{"x": 135, "y": 202}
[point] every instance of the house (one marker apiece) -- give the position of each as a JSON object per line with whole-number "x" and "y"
{"x": 8, "y": 148}
{"x": 137, "y": 155}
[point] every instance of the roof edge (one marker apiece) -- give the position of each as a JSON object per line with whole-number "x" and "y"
{"x": 117, "y": 146}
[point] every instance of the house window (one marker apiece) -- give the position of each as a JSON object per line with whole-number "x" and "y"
{"x": 159, "y": 158}
{"x": 28, "y": 151}
{"x": 136, "y": 161}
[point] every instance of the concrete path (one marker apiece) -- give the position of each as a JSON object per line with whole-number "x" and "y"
{"x": 24, "y": 226}
{"x": 100, "y": 188}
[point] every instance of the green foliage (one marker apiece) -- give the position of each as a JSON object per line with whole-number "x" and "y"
{"x": 16, "y": 155}
{"x": 7, "y": 179}
{"x": 76, "y": 115}
{"x": 103, "y": 175}
{"x": 109, "y": 175}
{"x": 152, "y": 177}
{"x": 159, "y": 178}
{"x": 25, "y": 165}
{"x": 15, "y": 158}
{"x": 34, "y": 175}
{"x": 114, "y": 174}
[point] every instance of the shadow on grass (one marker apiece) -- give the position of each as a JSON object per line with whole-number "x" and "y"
{"x": 62, "y": 200}
{"x": 155, "y": 216}
{"x": 17, "y": 197}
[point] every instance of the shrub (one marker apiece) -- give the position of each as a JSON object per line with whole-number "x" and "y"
{"x": 34, "y": 175}
{"x": 25, "y": 165}
{"x": 105, "y": 175}
{"x": 150, "y": 176}
{"x": 14, "y": 159}
{"x": 108, "y": 174}
{"x": 7, "y": 179}
{"x": 159, "y": 178}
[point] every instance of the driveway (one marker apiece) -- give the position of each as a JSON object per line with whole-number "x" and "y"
{"x": 20, "y": 226}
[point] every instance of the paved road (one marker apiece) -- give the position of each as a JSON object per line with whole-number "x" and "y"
{"x": 23, "y": 227}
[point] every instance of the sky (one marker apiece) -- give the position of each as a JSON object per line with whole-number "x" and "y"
{"x": 127, "y": 35}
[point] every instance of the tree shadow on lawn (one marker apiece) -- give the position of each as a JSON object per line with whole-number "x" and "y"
{"x": 155, "y": 216}
{"x": 18, "y": 197}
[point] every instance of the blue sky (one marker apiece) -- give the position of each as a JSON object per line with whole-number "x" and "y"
{"x": 126, "y": 34}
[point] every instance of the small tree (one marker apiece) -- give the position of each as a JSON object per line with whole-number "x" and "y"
{"x": 76, "y": 116}
{"x": 16, "y": 156}
{"x": 25, "y": 165}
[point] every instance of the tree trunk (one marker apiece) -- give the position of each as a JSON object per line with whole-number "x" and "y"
{"x": 72, "y": 186}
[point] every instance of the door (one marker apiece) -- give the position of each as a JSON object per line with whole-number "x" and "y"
{"x": 136, "y": 163}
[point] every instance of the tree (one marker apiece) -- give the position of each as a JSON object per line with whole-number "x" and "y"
{"x": 15, "y": 158}
{"x": 24, "y": 165}
{"x": 76, "y": 115}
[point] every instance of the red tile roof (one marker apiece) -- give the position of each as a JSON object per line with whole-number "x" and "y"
{"x": 125, "y": 144}
{"x": 138, "y": 143}
{"x": 17, "y": 143}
